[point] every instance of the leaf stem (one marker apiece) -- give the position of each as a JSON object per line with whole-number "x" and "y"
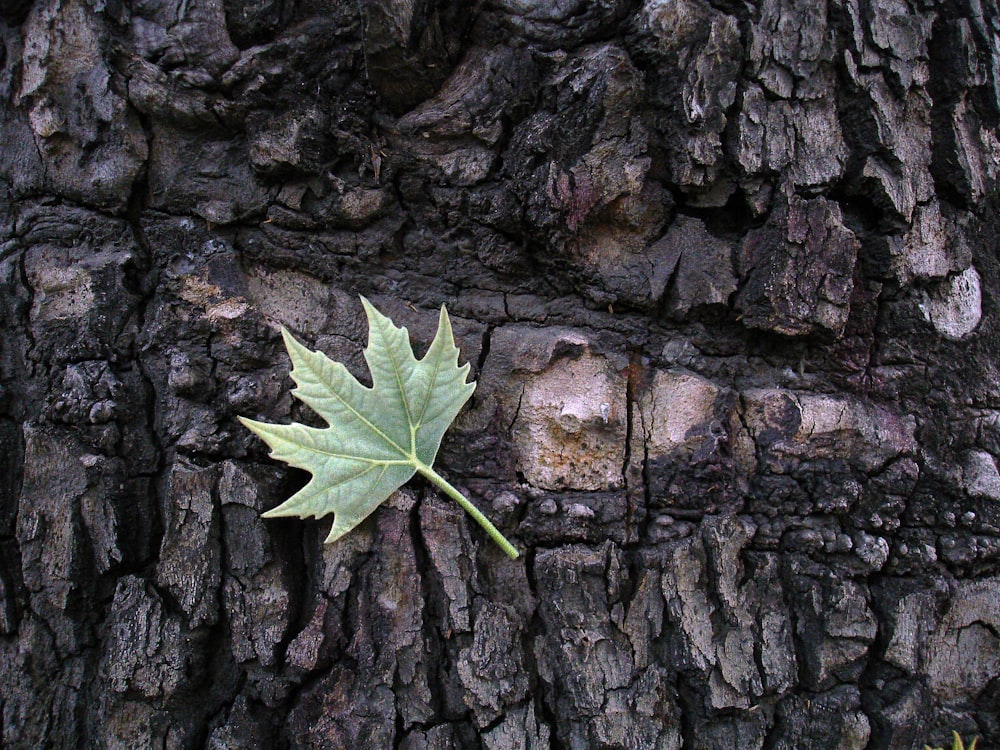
{"x": 469, "y": 508}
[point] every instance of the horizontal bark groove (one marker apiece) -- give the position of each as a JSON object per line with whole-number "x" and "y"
{"x": 726, "y": 274}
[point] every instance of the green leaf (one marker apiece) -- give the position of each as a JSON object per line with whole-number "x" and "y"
{"x": 956, "y": 743}
{"x": 377, "y": 437}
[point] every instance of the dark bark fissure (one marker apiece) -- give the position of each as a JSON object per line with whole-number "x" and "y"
{"x": 727, "y": 276}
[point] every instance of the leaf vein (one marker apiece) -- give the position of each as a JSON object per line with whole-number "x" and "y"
{"x": 401, "y": 389}
{"x": 358, "y": 414}
{"x": 427, "y": 400}
{"x": 352, "y": 472}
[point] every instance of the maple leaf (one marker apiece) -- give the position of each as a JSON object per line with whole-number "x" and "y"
{"x": 377, "y": 438}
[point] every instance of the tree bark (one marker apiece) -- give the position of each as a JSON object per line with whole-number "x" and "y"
{"x": 727, "y": 276}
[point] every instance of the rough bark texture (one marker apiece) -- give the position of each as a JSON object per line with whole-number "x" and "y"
{"x": 728, "y": 277}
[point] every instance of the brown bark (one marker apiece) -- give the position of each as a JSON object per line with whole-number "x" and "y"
{"x": 726, "y": 274}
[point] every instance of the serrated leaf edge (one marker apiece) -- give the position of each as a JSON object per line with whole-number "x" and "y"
{"x": 409, "y": 458}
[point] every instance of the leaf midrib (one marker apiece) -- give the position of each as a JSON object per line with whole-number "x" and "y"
{"x": 402, "y": 396}
{"x": 408, "y": 458}
{"x": 427, "y": 398}
{"x": 363, "y": 459}
{"x": 355, "y": 477}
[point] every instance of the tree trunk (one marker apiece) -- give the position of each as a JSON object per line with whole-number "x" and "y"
{"x": 726, "y": 273}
